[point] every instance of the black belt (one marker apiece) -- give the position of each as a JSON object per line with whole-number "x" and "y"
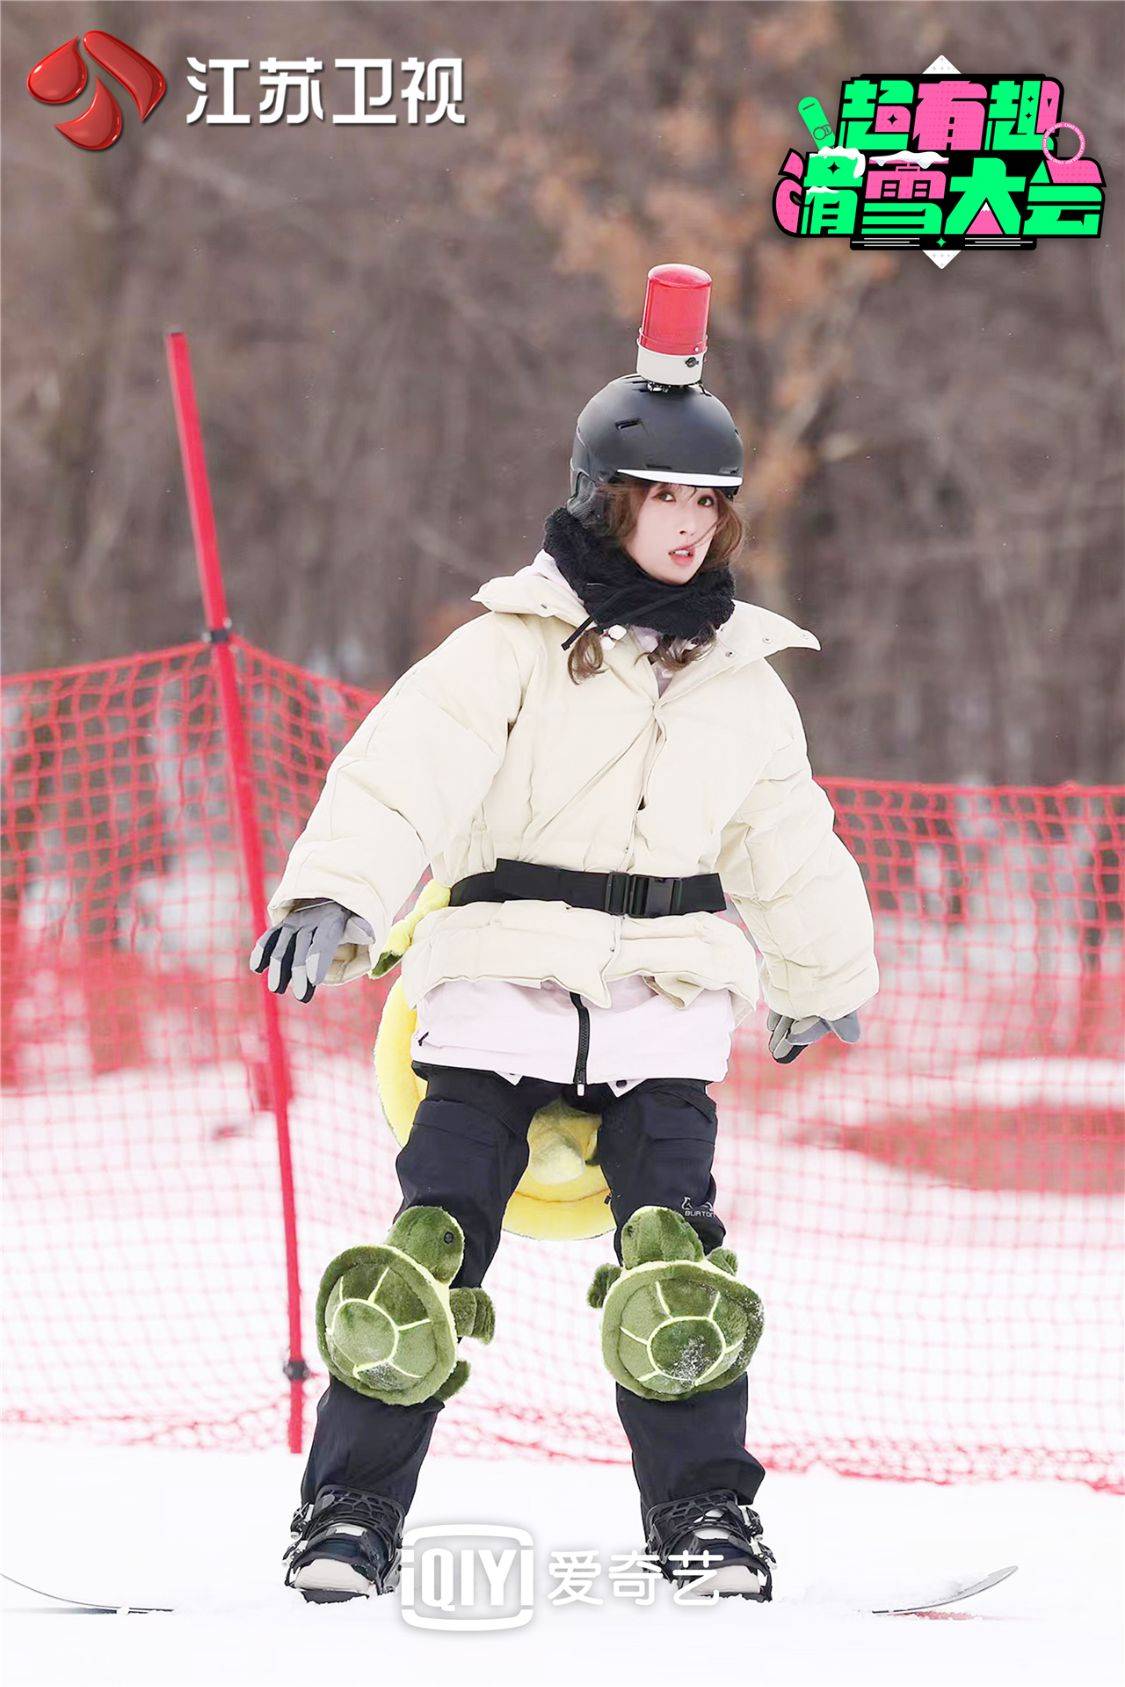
{"x": 640, "y": 895}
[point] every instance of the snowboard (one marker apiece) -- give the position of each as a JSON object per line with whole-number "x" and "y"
{"x": 960, "y": 1592}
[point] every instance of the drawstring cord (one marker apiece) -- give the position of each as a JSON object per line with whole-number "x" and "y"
{"x": 604, "y": 622}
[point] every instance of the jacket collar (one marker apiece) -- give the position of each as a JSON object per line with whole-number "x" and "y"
{"x": 750, "y": 633}
{"x": 546, "y": 566}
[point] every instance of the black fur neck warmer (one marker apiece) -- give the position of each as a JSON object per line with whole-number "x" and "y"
{"x": 618, "y": 592}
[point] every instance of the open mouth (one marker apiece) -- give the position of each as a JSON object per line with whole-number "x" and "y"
{"x": 685, "y": 553}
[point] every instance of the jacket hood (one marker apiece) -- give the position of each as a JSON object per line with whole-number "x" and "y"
{"x": 539, "y": 589}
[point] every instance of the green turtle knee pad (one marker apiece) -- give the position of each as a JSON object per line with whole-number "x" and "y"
{"x": 387, "y": 1322}
{"x": 675, "y": 1322}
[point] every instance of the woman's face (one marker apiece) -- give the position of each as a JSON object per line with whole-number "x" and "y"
{"x": 675, "y": 526}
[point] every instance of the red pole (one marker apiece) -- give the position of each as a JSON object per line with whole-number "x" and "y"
{"x": 250, "y": 843}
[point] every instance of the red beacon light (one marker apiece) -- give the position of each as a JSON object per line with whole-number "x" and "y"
{"x": 673, "y": 338}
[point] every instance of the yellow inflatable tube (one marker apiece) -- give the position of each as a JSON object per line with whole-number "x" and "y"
{"x": 562, "y": 1195}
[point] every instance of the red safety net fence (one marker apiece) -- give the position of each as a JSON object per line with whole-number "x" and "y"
{"x": 931, "y": 1216}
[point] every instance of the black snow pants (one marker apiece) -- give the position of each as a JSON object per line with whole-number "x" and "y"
{"x": 466, "y": 1152}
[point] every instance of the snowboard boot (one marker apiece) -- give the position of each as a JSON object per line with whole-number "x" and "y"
{"x": 723, "y": 1526}
{"x": 345, "y": 1544}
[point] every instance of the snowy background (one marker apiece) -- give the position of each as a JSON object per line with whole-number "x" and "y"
{"x": 933, "y": 1217}
{"x": 205, "y": 1532}
{"x": 913, "y": 1326}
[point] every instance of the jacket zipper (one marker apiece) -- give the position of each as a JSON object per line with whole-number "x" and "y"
{"x": 658, "y": 743}
{"x": 579, "y": 1079}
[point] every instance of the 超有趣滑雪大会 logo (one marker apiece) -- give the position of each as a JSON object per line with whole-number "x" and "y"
{"x": 941, "y": 162}
{"x": 61, "y": 75}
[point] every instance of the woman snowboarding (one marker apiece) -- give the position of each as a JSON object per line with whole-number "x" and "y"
{"x": 594, "y": 765}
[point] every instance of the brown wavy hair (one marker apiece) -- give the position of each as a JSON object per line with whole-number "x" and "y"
{"x": 612, "y": 514}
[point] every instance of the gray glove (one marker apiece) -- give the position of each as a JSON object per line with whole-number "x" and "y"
{"x": 302, "y": 946}
{"x": 788, "y": 1036}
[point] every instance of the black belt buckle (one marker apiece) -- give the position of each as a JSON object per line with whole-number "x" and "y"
{"x": 660, "y": 896}
{"x": 618, "y": 890}
{"x": 640, "y": 895}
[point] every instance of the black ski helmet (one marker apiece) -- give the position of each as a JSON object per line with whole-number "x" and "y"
{"x": 660, "y": 423}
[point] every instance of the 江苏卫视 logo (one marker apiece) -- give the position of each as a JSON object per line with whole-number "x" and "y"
{"x": 61, "y": 75}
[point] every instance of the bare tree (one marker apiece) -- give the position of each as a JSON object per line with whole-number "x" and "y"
{"x": 394, "y": 329}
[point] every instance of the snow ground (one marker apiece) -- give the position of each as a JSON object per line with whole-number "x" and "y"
{"x": 206, "y": 1529}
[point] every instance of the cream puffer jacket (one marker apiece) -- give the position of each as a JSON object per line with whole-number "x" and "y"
{"x": 487, "y": 748}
